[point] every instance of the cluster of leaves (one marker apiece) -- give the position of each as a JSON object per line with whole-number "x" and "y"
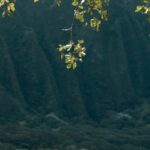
{"x": 8, "y": 7}
{"x": 144, "y": 8}
{"x": 91, "y": 12}
{"x": 72, "y": 53}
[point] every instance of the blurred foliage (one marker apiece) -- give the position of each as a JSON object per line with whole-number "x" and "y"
{"x": 8, "y": 7}
{"x": 144, "y": 8}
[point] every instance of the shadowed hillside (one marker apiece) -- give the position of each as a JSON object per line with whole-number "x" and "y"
{"x": 110, "y": 89}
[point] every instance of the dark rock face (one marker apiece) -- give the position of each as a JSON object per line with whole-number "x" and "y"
{"x": 104, "y": 104}
{"x": 113, "y": 77}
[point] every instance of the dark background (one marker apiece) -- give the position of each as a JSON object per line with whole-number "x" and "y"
{"x": 103, "y": 105}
